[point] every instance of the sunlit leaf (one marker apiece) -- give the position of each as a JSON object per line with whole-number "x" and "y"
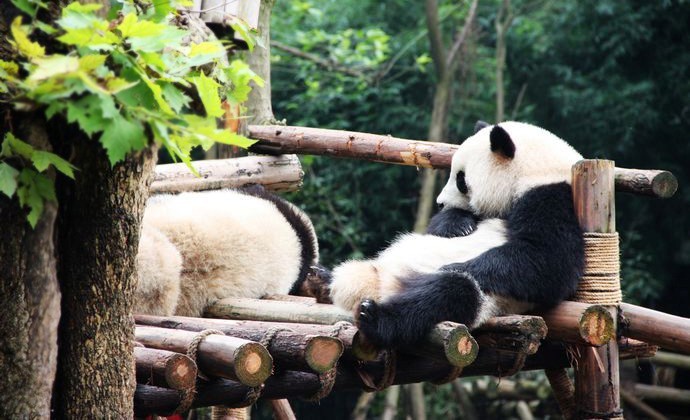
{"x": 120, "y": 136}
{"x": 52, "y": 66}
{"x": 207, "y": 89}
{"x": 25, "y": 46}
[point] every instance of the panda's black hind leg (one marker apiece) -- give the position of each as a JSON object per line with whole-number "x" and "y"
{"x": 424, "y": 301}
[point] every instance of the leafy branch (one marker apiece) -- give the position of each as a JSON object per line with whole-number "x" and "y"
{"x": 117, "y": 79}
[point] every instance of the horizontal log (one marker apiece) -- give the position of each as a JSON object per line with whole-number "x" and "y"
{"x": 441, "y": 343}
{"x": 294, "y": 347}
{"x": 662, "y": 394}
{"x": 218, "y": 355}
{"x": 155, "y": 400}
{"x": 516, "y": 333}
{"x": 629, "y": 348}
{"x": 278, "y": 311}
{"x": 275, "y": 173}
{"x": 289, "y": 384}
{"x": 580, "y": 323}
{"x": 665, "y": 358}
{"x": 164, "y": 368}
{"x": 667, "y": 331}
{"x": 425, "y": 154}
{"x": 448, "y": 342}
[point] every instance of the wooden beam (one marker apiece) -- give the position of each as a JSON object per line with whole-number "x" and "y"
{"x": 665, "y": 358}
{"x": 580, "y": 323}
{"x": 275, "y": 173}
{"x": 218, "y": 355}
{"x": 425, "y": 154}
{"x": 662, "y": 394}
{"x": 164, "y": 368}
{"x": 303, "y": 347}
{"x": 597, "y": 377}
{"x": 668, "y": 331}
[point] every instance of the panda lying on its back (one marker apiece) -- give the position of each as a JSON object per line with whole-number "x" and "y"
{"x": 197, "y": 247}
{"x": 509, "y": 182}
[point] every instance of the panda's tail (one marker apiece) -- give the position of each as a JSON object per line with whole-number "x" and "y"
{"x": 315, "y": 284}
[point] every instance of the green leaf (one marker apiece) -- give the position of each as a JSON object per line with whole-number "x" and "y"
{"x": 175, "y": 98}
{"x": 132, "y": 27}
{"x": 240, "y": 75}
{"x": 207, "y": 89}
{"x": 42, "y": 160}
{"x": 34, "y": 188}
{"x": 14, "y": 146}
{"x": 88, "y": 37}
{"x": 27, "y": 6}
{"x": 8, "y": 179}
{"x": 87, "y": 113}
{"x": 156, "y": 91}
{"x": 25, "y": 46}
{"x": 121, "y": 136}
{"x": 206, "y": 48}
{"x": 53, "y": 65}
{"x": 91, "y": 62}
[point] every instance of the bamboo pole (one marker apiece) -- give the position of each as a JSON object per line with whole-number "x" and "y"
{"x": 218, "y": 355}
{"x": 597, "y": 381}
{"x": 382, "y": 148}
{"x": 295, "y": 347}
{"x": 164, "y": 368}
{"x": 668, "y": 331}
{"x": 563, "y": 391}
{"x": 275, "y": 173}
{"x": 580, "y": 323}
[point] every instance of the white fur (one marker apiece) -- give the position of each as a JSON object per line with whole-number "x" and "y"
{"x": 231, "y": 244}
{"x": 412, "y": 252}
{"x": 496, "y": 182}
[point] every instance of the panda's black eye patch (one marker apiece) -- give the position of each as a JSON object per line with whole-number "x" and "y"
{"x": 460, "y": 182}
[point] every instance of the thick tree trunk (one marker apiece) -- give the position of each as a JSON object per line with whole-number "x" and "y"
{"x": 98, "y": 237}
{"x": 29, "y": 300}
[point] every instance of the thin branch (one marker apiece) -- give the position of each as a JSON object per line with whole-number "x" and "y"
{"x": 460, "y": 41}
{"x": 518, "y": 101}
{"x": 328, "y": 64}
{"x": 438, "y": 53}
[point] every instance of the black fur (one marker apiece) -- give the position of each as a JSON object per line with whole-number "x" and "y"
{"x": 541, "y": 263}
{"x": 479, "y": 125}
{"x": 501, "y": 142}
{"x": 305, "y": 233}
{"x": 452, "y": 222}
{"x": 426, "y": 300}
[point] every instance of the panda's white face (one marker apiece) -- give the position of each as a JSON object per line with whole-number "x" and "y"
{"x": 494, "y": 167}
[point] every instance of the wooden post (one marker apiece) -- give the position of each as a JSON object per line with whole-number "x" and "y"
{"x": 597, "y": 381}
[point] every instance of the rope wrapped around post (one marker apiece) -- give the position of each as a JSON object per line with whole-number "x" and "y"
{"x": 600, "y": 283}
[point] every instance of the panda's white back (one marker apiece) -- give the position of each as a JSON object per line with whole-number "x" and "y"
{"x": 232, "y": 245}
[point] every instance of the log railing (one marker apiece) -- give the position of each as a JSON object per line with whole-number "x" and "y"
{"x": 425, "y": 154}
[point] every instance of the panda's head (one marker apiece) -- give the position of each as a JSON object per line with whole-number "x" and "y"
{"x": 499, "y": 163}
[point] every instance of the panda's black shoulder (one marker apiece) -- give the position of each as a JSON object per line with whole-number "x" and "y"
{"x": 299, "y": 223}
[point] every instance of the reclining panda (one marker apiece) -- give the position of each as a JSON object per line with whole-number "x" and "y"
{"x": 509, "y": 188}
{"x": 197, "y": 247}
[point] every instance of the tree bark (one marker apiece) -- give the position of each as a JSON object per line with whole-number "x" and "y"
{"x": 98, "y": 237}
{"x": 29, "y": 298}
{"x": 259, "y": 108}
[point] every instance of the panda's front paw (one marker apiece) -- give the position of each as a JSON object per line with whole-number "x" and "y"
{"x": 452, "y": 223}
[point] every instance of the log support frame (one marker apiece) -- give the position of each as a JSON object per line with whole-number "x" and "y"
{"x": 597, "y": 380}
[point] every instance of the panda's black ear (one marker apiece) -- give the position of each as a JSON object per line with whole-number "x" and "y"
{"x": 501, "y": 142}
{"x": 479, "y": 125}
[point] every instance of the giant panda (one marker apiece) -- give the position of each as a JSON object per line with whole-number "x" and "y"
{"x": 506, "y": 240}
{"x": 197, "y": 247}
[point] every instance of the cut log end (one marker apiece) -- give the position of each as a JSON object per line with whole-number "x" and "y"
{"x": 460, "y": 347}
{"x": 362, "y": 349}
{"x": 597, "y": 326}
{"x": 664, "y": 184}
{"x": 253, "y": 364}
{"x": 322, "y": 353}
{"x": 181, "y": 373}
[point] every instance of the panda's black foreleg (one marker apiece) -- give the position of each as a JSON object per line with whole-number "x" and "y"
{"x": 424, "y": 301}
{"x": 452, "y": 223}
